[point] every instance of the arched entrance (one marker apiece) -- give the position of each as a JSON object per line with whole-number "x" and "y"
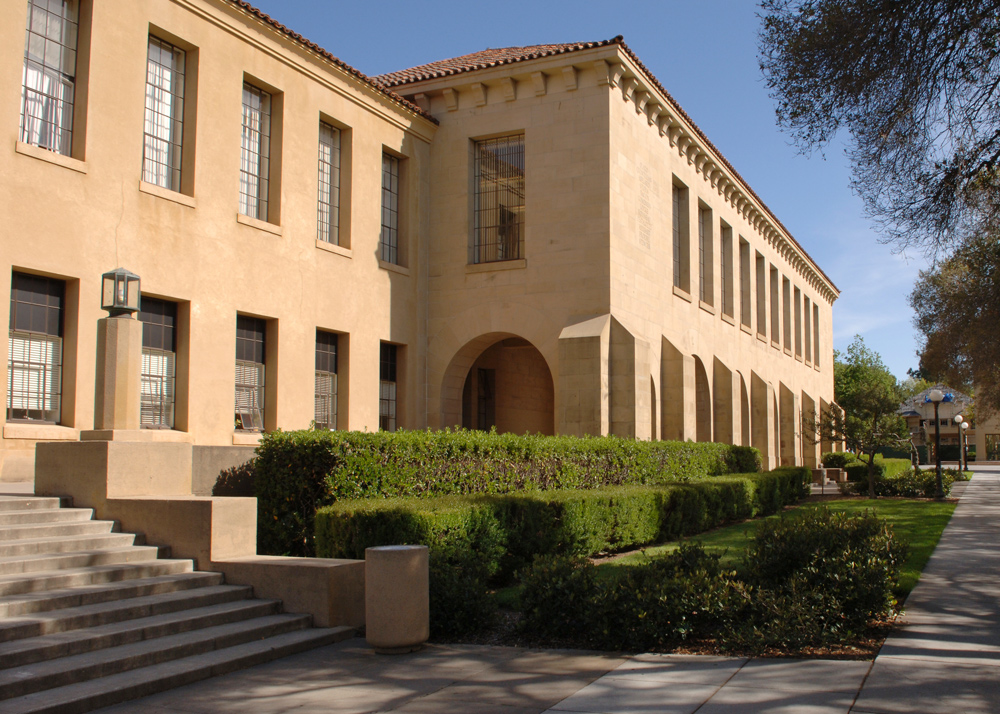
{"x": 505, "y": 383}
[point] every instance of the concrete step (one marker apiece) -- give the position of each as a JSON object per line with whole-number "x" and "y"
{"x": 39, "y": 516}
{"x": 120, "y": 610}
{"x": 55, "y": 530}
{"x": 22, "y": 604}
{"x": 106, "y": 691}
{"x": 67, "y": 544}
{"x": 72, "y": 577}
{"x": 30, "y": 503}
{"x": 64, "y": 561}
{"x": 19, "y": 681}
{"x": 21, "y": 653}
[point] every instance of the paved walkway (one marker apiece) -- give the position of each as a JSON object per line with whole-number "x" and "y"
{"x": 946, "y": 658}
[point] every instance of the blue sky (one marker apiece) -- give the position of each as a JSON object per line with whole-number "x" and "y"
{"x": 704, "y": 53}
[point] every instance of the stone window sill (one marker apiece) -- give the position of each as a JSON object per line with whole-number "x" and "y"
{"x": 258, "y": 224}
{"x": 393, "y": 268}
{"x": 37, "y": 152}
{"x": 496, "y": 265}
{"x": 40, "y": 432}
{"x": 682, "y": 294}
{"x": 165, "y": 193}
{"x": 335, "y": 249}
{"x": 246, "y": 438}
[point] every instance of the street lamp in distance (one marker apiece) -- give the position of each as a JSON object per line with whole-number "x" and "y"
{"x": 937, "y": 396}
{"x": 965, "y": 446}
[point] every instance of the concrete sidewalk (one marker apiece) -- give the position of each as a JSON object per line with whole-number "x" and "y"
{"x": 944, "y": 658}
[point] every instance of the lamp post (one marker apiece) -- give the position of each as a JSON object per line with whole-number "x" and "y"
{"x": 936, "y": 396}
{"x": 959, "y": 422}
{"x": 118, "y": 383}
{"x": 965, "y": 446}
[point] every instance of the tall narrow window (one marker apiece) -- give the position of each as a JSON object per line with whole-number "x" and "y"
{"x": 326, "y": 380}
{"x": 797, "y": 307}
{"x": 807, "y": 327}
{"x": 761, "y": 296}
{"x": 163, "y": 130}
{"x": 250, "y": 333}
{"x": 48, "y": 84}
{"x": 387, "y": 387}
{"x": 34, "y": 357}
{"x": 706, "y": 289}
{"x": 499, "y": 210}
{"x": 775, "y": 307}
{"x": 682, "y": 278}
{"x": 255, "y": 160}
{"x": 390, "y": 209}
{"x": 329, "y": 184}
{"x": 744, "y": 283}
{"x": 726, "y": 269}
{"x": 159, "y": 363}
{"x": 816, "y": 335}
{"x": 786, "y": 304}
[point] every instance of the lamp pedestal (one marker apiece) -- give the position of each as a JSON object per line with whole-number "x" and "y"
{"x": 118, "y": 384}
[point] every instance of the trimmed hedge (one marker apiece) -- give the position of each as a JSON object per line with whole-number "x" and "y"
{"x": 906, "y": 485}
{"x": 297, "y": 472}
{"x": 509, "y": 531}
{"x": 857, "y": 469}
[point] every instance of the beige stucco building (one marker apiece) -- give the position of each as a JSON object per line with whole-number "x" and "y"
{"x": 537, "y": 239}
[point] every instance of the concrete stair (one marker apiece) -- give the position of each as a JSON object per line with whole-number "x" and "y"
{"x": 90, "y": 617}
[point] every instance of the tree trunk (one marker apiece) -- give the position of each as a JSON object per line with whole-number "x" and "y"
{"x": 871, "y": 476}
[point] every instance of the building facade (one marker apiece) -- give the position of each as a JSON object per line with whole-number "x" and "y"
{"x": 533, "y": 239}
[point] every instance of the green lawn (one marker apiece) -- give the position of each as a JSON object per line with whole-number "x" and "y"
{"x": 919, "y": 523}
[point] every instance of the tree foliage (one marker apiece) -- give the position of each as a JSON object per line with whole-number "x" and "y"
{"x": 869, "y": 396}
{"x": 957, "y": 306}
{"x": 917, "y": 85}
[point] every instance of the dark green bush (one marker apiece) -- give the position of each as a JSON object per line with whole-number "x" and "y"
{"x": 460, "y": 600}
{"x": 838, "y": 459}
{"x": 858, "y": 470}
{"x": 679, "y": 597}
{"x": 298, "y": 472}
{"x": 814, "y": 580}
{"x": 851, "y": 560}
{"x": 906, "y": 485}
{"x": 509, "y": 531}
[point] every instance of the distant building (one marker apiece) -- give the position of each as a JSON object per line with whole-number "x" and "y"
{"x": 533, "y": 239}
{"x": 982, "y": 436}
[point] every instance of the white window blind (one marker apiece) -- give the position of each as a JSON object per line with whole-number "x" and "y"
{"x": 34, "y": 376}
{"x": 158, "y": 380}
{"x": 249, "y": 395}
{"x": 326, "y": 400}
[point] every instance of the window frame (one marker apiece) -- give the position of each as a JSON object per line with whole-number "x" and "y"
{"x": 255, "y": 152}
{"x": 251, "y": 359}
{"x": 498, "y": 173}
{"x": 388, "y": 400}
{"x": 681, "y": 237}
{"x": 328, "y": 184}
{"x": 168, "y": 175}
{"x": 38, "y": 323}
{"x": 327, "y": 373}
{"x": 159, "y": 343}
{"x": 389, "y": 242}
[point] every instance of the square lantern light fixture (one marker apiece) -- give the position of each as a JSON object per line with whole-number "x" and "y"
{"x": 120, "y": 292}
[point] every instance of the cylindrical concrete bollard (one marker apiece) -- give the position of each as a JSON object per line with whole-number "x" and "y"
{"x": 397, "y": 605}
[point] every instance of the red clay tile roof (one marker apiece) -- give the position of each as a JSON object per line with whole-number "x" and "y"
{"x": 482, "y": 60}
{"x": 381, "y": 88}
{"x": 510, "y": 55}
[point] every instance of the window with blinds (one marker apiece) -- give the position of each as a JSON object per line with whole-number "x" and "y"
{"x": 326, "y": 380}
{"x": 387, "y": 388}
{"x": 48, "y": 83}
{"x": 389, "y": 241}
{"x": 250, "y": 333}
{"x": 159, "y": 363}
{"x": 256, "y": 152}
{"x": 34, "y": 352}
{"x": 499, "y": 206}
{"x": 328, "y": 224}
{"x": 163, "y": 128}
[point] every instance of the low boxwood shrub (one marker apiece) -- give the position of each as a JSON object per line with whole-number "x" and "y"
{"x": 908, "y": 484}
{"x": 508, "y": 531}
{"x": 811, "y": 581}
{"x": 838, "y": 459}
{"x": 297, "y": 472}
